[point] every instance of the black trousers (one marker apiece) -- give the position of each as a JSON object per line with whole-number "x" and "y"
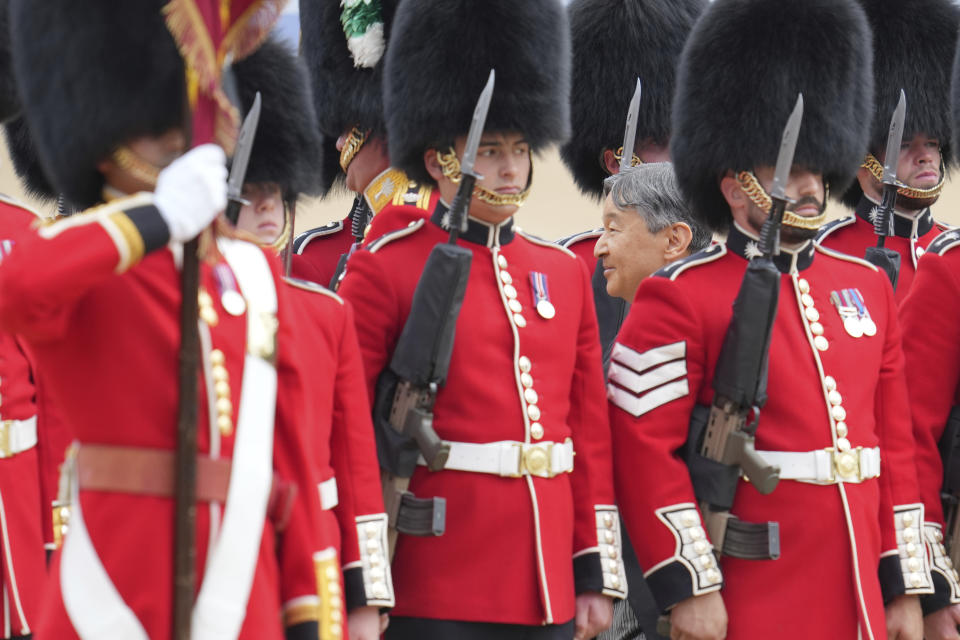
{"x": 429, "y": 629}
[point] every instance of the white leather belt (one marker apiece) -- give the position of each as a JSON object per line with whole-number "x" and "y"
{"x": 16, "y": 436}
{"x": 826, "y": 466}
{"x": 511, "y": 459}
{"x": 329, "y": 497}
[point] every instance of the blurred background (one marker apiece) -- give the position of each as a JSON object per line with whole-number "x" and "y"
{"x": 554, "y": 210}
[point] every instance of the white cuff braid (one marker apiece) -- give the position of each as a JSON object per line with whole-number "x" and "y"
{"x": 192, "y": 191}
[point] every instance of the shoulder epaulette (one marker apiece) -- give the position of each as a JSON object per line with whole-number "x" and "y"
{"x": 394, "y": 187}
{"x": 312, "y": 287}
{"x": 943, "y": 226}
{"x": 22, "y": 205}
{"x": 387, "y": 238}
{"x": 832, "y": 226}
{"x": 843, "y": 256}
{"x": 944, "y": 242}
{"x": 577, "y": 237}
{"x": 543, "y": 243}
{"x": 301, "y": 241}
{"x": 674, "y": 269}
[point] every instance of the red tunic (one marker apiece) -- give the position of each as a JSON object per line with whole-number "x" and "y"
{"x": 832, "y": 539}
{"x": 582, "y": 244}
{"x": 340, "y": 413}
{"x": 25, "y": 490}
{"x": 511, "y": 543}
{"x": 97, "y": 299}
{"x": 931, "y": 345}
{"x": 853, "y": 234}
{"x": 317, "y": 252}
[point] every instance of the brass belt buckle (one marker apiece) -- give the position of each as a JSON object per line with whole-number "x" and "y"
{"x": 847, "y": 464}
{"x": 536, "y": 459}
{"x": 5, "y": 446}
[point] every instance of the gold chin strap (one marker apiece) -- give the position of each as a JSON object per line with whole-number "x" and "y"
{"x": 875, "y": 167}
{"x": 137, "y": 167}
{"x": 759, "y": 196}
{"x": 618, "y": 155}
{"x": 281, "y": 242}
{"x": 351, "y": 147}
{"x": 450, "y": 165}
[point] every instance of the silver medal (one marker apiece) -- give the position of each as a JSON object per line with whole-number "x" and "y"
{"x": 233, "y": 302}
{"x": 853, "y": 326}
{"x": 869, "y": 326}
{"x": 546, "y": 309}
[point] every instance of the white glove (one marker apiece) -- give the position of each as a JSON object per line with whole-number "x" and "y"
{"x": 191, "y": 191}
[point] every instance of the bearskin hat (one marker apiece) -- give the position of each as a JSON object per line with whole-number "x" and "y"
{"x": 346, "y": 93}
{"x": 914, "y": 43}
{"x": 615, "y": 42}
{"x": 26, "y": 164}
{"x": 93, "y": 75}
{"x": 286, "y": 147}
{"x": 438, "y": 61}
{"x": 9, "y": 104}
{"x": 738, "y": 80}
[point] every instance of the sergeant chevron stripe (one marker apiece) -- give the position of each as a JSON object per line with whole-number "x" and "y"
{"x": 640, "y": 382}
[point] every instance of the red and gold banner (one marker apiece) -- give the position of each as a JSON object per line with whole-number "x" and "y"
{"x": 210, "y": 34}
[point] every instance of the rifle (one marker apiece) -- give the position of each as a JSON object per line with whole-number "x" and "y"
{"x": 722, "y": 443}
{"x": 407, "y": 389}
{"x": 887, "y": 259}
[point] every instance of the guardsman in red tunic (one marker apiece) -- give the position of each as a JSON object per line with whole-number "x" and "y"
{"x": 904, "y": 32}
{"x": 929, "y": 318}
{"x": 531, "y": 545}
{"x": 25, "y": 500}
{"x": 930, "y": 345}
{"x": 283, "y": 167}
{"x": 613, "y": 44}
{"x": 835, "y": 421}
{"x": 96, "y": 298}
{"x": 343, "y": 46}
{"x": 26, "y": 489}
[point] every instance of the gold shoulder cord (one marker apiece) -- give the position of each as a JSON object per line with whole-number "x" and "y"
{"x": 450, "y": 165}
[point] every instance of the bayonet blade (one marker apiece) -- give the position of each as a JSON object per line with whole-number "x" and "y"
{"x": 894, "y": 140}
{"x": 630, "y": 132}
{"x": 476, "y": 127}
{"x": 788, "y": 146}
{"x": 241, "y": 152}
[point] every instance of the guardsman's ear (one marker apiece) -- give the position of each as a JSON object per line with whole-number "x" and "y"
{"x": 732, "y": 192}
{"x": 432, "y": 164}
{"x": 610, "y": 162}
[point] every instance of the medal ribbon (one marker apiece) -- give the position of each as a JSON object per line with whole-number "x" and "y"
{"x": 541, "y": 292}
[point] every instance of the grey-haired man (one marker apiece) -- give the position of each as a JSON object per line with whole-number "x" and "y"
{"x": 646, "y": 225}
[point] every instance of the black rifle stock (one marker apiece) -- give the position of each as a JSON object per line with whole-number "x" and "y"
{"x": 407, "y": 388}
{"x": 740, "y": 384}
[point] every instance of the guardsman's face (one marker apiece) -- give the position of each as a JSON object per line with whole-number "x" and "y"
{"x": 263, "y": 214}
{"x": 503, "y": 162}
{"x": 149, "y": 153}
{"x": 919, "y": 164}
{"x": 371, "y": 160}
{"x": 804, "y": 188}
